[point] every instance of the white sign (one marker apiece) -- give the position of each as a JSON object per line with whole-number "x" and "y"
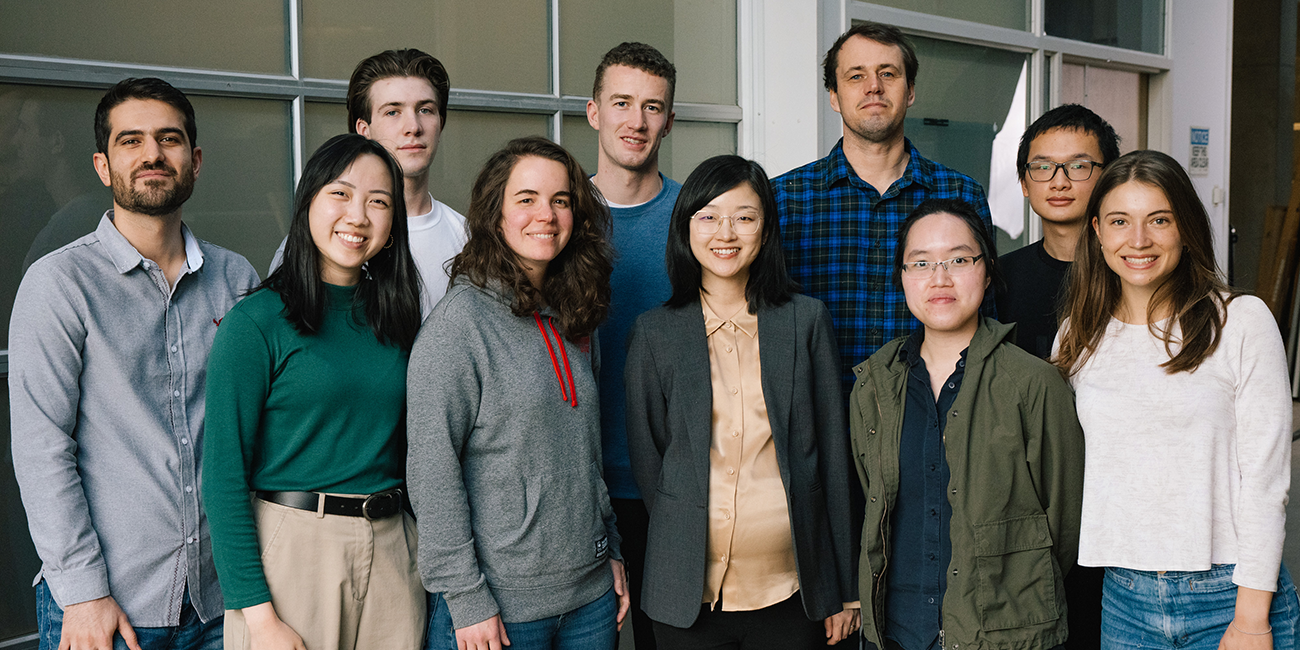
{"x": 1198, "y": 163}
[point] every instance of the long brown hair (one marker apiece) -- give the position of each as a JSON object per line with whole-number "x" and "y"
{"x": 577, "y": 280}
{"x": 1194, "y": 295}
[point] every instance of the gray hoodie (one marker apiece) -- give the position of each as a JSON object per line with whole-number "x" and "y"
{"x": 504, "y": 463}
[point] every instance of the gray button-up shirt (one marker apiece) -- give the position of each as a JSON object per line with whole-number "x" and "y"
{"x": 107, "y": 368}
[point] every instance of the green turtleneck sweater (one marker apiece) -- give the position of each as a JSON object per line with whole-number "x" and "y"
{"x": 318, "y": 413}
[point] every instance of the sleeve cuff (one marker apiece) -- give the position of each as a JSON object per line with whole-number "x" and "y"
{"x": 72, "y": 586}
{"x": 473, "y": 606}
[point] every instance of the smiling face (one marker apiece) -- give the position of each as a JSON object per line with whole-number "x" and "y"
{"x": 944, "y": 302}
{"x": 351, "y": 219}
{"x": 150, "y": 163}
{"x": 404, "y": 118}
{"x": 632, "y": 117}
{"x": 871, "y": 95}
{"x": 725, "y": 256}
{"x": 1061, "y": 200}
{"x": 537, "y": 214}
{"x": 1139, "y": 240}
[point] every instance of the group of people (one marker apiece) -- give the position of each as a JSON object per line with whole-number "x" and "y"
{"x": 611, "y": 395}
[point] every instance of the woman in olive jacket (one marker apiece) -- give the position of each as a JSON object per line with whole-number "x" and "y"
{"x": 1011, "y": 447}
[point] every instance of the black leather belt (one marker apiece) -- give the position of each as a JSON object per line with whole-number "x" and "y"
{"x": 379, "y": 505}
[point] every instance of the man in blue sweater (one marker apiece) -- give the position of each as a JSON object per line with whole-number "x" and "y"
{"x": 631, "y": 108}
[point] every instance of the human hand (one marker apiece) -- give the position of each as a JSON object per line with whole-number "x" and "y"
{"x": 623, "y": 591}
{"x": 267, "y": 632}
{"x": 91, "y": 625}
{"x": 1244, "y": 638}
{"x": 840, "y": 626}
{"x": 484, "y": 635}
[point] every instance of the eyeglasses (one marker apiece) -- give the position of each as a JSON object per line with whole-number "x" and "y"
{"x": 1075, "y": 170}
{"x": 744, "y": 223}
{"x": 954, "y": 266}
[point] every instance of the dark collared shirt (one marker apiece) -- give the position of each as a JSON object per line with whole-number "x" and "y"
{"x": 917, "y": 573}
{"x": 107, "y": 376}
{"x": 838, "y": 233}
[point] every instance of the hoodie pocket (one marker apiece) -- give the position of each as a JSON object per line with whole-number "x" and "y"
{"x": 562, "y": 534}
{"x": 1017, "y": 573}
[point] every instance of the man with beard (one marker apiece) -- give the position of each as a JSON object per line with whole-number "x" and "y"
{"x": 108, "y": 349}
{"x": 839, "y": 214}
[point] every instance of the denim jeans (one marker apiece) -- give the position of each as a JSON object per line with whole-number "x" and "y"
{"x": 590, "y": 627}
{"x": 1188, "y": 610}
{"x": 440, "y": 635}
{"x": 191, "y": 634}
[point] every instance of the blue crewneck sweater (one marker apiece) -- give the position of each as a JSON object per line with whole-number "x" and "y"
{"x": 639, "y": 283}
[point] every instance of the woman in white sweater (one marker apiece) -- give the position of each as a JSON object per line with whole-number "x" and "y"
{"x": 1183, "y": 395}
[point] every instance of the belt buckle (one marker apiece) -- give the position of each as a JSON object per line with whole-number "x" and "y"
{"x": 378, "y": 501}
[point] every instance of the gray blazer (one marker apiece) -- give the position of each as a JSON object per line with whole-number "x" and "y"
{"x": 669, "y": 416}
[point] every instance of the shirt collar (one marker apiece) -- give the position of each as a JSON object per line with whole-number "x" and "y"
{"x": 125, "y": 257}
{"x": 743, "y": 320}
{"x": 919, "y": 168}
{"x": 910, "y": 351}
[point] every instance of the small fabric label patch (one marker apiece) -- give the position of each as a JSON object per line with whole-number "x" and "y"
{"x": 602, "y": 546}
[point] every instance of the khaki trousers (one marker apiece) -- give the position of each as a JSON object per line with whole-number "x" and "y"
{"x": 341, "y": 583}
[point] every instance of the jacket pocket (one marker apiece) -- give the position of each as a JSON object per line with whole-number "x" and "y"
{"x": 1017, "y": 573}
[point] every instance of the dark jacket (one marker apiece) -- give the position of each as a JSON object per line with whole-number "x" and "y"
{"x": 669, "y": 416}
{"x": 1015, "y": 452}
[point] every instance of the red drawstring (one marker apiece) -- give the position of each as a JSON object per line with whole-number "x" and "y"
{"x": 570, "y": 393}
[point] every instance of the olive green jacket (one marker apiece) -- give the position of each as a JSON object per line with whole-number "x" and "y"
{"x": 1015, "y": 455}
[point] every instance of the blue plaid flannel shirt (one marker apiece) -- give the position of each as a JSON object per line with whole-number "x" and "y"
{"x": 838, "y": 234}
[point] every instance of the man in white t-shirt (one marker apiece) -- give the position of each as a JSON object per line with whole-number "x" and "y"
{"x": 399, "y": 98}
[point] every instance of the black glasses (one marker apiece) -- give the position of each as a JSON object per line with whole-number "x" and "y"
{"x": 1075, "y": 170}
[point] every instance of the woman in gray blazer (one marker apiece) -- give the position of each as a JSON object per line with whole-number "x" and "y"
{"x": 743, "y": 463}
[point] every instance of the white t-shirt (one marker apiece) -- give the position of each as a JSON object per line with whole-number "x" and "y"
{"x": 1187, "y": 470}
{"x": 436, "y": 236}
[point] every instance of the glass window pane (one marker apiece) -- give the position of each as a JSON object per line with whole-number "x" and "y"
{"x": 1130, "y": 24}
{"x": 698, "y": 37}
{"x": 178, "y": 34}
{"x": 1013, "y": 14}
{"x": 243, "y": 199}
{"x": 580, "y": 139}
{"x": 969, "y": 114}
{"x": 468, "y": 38}
{"x": 1119, "y": 97}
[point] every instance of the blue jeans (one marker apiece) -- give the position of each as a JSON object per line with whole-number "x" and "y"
{"x": 191, "y": 634}
{"x": 590, "y": 627}
{"x": 440, "y": 635}
{"x": 1188, "y": 610}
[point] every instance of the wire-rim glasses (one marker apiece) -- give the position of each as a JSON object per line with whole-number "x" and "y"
{"x": 955, "y": 266}
{"x": 744, "y": 223}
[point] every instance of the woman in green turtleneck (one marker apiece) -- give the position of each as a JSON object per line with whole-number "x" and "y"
{"x": 306, "y": 396}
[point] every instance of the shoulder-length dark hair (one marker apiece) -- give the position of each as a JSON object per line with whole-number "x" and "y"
{"x": 577, "y": 280}
{"x": 769, "y": 285}
{"x": 389, "y": 291}
{"x": 1194, "y": 295}
{"x": 967, "y": 214}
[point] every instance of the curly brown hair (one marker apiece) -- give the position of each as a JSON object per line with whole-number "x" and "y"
{"x": 577, "y": 280}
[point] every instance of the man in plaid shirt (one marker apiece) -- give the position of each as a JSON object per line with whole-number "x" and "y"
{"x": 836, "y": 226}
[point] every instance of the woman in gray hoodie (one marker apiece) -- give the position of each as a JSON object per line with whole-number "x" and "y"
{"x": 503, "y": 419}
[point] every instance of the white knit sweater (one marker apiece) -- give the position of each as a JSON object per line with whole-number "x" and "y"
{"x": 1192, "y": 469}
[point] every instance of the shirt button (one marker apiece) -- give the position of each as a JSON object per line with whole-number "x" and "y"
{"x": 954, "y": 490}
{"x": 873, "y": 499}
{"x": 189, "y": 540}
{"x": 185, "y": 441}
{"x": 735, "y": 390}
{"x": 954, "y": 572}
{"x": 173, "y": 348}
{"x": 176, "y": 393}
{"x": 728, "y": 348}
{"x": 931, "y": 601}
{"x": 731, "y": 470}
{"x": 934, "y": 512}
{"x": 952, "y": 385}
{"x": 934, "y": 468}
{"x": 723, "y": 558}
{"x": 726, "y": 514}
{"x": 735, "y": 434}
{"x": 189, "y": 488}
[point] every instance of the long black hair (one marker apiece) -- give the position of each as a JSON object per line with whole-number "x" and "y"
{"x": 388, "y": 296}
{"x": 769, "y": 285}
